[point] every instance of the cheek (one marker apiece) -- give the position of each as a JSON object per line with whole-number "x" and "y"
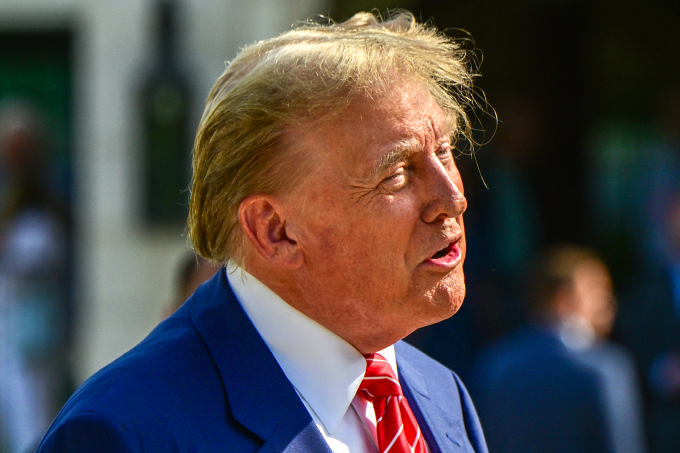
{"x": 370, "y": 236}
{"x": 384, "y": 225}
{"x": 336, "y": 238}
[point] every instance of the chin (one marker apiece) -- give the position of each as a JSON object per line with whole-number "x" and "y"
{"x": 440, "y": 314}
{"x": 448, "y": 295}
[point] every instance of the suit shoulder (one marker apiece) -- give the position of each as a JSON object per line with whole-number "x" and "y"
{"x": 87, "y": 432}
{"x": 169, "y": 393}
{"x": 143, "y": 385}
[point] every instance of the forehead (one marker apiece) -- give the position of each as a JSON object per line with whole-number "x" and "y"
{"x": 405, "y": 118}
{"x": 592, "y": 272}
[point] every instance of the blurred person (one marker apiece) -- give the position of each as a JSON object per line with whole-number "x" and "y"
{"x": 32, "y": 289}
{"x": 193, "y": 270}
{"x": 651, "y": 327}
{"x": 559, "y": 385}
{"x": 324, "y": 179}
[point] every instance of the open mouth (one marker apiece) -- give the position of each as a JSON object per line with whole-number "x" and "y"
{"x": 446, "y": 258}
{"x": 442, "y": 253}
{"x": 446, "y": 251}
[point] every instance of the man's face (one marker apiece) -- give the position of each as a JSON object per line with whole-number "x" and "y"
{"x": 594, "y": 296}
{"x": 379, "y": 221}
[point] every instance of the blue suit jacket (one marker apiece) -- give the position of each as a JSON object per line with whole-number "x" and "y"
{"x": 535, "y": 395}
{"x": 204, "y": 381}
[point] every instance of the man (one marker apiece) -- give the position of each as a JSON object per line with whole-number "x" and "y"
{"x": 324, "y": 178}
{"x": 559, "y": 385}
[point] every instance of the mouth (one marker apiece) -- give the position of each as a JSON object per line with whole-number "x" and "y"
{"x": 442, "y": 253}
{"x": 448, "y": 256}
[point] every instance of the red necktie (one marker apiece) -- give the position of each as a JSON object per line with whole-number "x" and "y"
{"x": 398, "y": 430}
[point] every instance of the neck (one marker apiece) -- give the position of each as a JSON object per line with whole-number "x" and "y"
{"x": 359, "y": 328}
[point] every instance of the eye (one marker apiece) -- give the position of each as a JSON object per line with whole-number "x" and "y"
{"x": 444, "y": 151}
{"x": 396, "y": 179}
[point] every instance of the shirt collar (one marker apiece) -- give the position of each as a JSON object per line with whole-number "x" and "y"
{"x": 323, "y": 368}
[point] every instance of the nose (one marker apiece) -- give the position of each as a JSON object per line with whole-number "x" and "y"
{"x": 443, "y": 193}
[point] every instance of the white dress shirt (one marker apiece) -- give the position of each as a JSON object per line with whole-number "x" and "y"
{"x": 325, "y": 370}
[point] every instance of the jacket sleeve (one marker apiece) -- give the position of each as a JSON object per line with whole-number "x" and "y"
{"x": 89, "y": 432}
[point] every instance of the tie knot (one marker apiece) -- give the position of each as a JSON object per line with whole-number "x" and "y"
{"x": 379, "y": 379}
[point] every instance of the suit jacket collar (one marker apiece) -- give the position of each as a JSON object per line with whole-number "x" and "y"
{"x": 259, "y": 394}
{"x": 440, "y": 424}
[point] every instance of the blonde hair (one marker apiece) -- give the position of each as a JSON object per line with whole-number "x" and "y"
{"x": 300, "y": 77}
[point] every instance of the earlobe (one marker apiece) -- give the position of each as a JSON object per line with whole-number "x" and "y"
{"x": 263, "y": 221}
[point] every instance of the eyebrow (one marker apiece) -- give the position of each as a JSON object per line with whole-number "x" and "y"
{"x": 401, "y": 151}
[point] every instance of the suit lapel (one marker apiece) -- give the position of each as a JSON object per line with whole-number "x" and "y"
{"x": 307, "y": 440}
{"x": 437, "y": 409}
{"x": 259, "y": 394}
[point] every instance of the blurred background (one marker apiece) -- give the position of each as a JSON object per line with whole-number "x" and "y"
{"x": 99, "y": 101}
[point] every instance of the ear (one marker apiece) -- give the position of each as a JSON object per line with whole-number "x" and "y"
{"x": 263, "y": 220}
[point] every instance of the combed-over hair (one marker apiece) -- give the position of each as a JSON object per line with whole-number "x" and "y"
{"x": 296, "y": 79}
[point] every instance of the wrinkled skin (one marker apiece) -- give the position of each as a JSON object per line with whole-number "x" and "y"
{"x": 384, "y": 196}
